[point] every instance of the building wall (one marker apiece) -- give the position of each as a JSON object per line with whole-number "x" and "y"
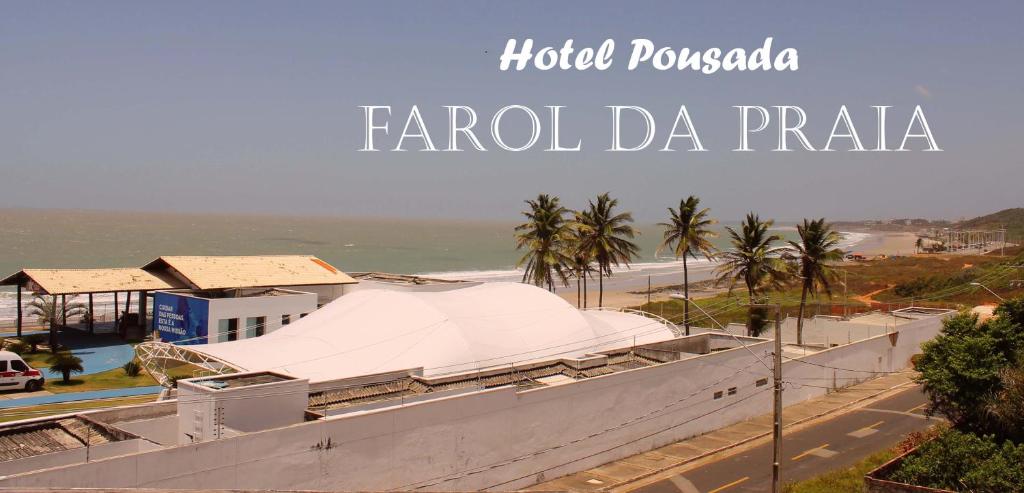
{"x": 500, "y": 438}
{"x": 203, "y": 412}
{"x": 271, "y": 307}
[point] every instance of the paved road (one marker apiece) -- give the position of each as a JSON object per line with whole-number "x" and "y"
{"x": 832, "y": 444}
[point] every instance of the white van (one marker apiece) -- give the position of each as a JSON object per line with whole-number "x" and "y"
{"x": 16, "y": 374}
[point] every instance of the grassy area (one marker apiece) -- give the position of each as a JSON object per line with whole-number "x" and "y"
{"x": 881, "y": 282}
{"x": 110, "y": 379}
{"x": 37, "y": 360}
{"x": 849, "y": 480}
{"x": 51, "y": 409}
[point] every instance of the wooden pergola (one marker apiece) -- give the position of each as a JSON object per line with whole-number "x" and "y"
{"x": 74, "y": 282}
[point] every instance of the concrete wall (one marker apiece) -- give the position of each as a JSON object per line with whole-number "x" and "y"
{"x": 499, "y": 438}
{"x": 74, "y": 456}
{"x": 162, "y": 430}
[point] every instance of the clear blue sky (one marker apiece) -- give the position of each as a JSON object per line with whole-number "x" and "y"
{"x": 252, "y": 106}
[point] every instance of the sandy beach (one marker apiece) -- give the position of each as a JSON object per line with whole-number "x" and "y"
{"x": 629, "y": 288}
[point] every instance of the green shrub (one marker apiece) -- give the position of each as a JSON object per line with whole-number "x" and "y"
{"x": 65, "y": 363}
{"x": 17, "y": 347}
{"x": 966, "y": 365}
{"x": 34, "y": 340}
{"x": 132, "y": 368}
{"x": 962, "y": 461}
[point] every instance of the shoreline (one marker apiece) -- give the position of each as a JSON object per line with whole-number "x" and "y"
{"x": 627, "y": 287}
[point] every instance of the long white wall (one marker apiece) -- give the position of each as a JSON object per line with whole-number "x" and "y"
{"x": 499, "y": 439}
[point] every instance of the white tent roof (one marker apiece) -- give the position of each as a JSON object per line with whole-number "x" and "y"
{"x": 444, "y": 329}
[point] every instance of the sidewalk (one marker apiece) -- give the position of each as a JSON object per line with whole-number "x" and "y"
{"x": 38, "y": 400}
{"x": 634, "y": 468}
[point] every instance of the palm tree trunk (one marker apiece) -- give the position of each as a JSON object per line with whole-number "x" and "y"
{"x": 54, "y": 342}
{"x": 600, "y": 288}
{"x": 686, "y": 294}
{"x": 577, "y": 289}
{"x": 584, "y": 290}
{"x": 800, "y": 317}
{"x": 750, "y": 311}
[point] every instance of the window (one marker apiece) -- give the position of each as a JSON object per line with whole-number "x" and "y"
{"x": 3, "y": 366}
{"x": 255, "y": 326}
{"x": 718, "y": 395}
{"x": 18, "y": 365}
{"x": 228, "y": 329}
{"x": 762, "y": 382}
{"x": 732, "y": 390}
{"x": 286, "y": 319}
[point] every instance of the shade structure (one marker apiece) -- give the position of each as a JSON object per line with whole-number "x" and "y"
{"x": 441, "y": 329}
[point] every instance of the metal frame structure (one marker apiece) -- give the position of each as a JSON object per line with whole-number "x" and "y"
{"x": 974, "y": 241}
{"x": 154, "y": 357}
{"x": 676, "y": 331}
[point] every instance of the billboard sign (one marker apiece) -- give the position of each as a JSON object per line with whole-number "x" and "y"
{"x": 181, "y": 319}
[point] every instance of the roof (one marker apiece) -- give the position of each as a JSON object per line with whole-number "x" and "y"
{"x": 442, "y": 329}
{"x": 82, "y": 281}
{"x": 32, "y": 439}
{"x": 225, "y": 272}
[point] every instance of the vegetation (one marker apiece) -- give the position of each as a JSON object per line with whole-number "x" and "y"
{"x": 132, "y": 368}
{"x": 964, "y": 369}
{"x": 110, "y": 379}
{"x": 973, "y": 374}
{"x": 65, "y": 363}
{"x": 848, "y": 480}
{"x": 34, "y": 340}
{"x": 754, "y": 261}
{"x": 605, "y": 235}
{"x": 963, "y": 461}
{"x": 17, "y": 347}
{"x": 814, "y": 254}
{"x": 54, "y": 312}
{"x": 1011, "y": 219}
{"x": 687, "y": 235}
{"x": 545, "y": 236}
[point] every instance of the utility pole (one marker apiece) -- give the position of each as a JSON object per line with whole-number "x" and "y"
{"x": 777, "y": 414}
{"x": 777, "y": 431}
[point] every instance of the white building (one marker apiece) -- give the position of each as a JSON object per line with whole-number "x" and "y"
{"x": 458, "y": 387}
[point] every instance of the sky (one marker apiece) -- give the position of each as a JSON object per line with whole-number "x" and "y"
{"x": 249, "y": 106}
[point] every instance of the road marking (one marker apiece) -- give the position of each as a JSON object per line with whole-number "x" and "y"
{"x": 808, "y": 452}
{"x": 865, "y": 431}
{"x": 730, "y": 485}
{"x": 684, "y": 485}
{"x": 916, "y": 408}
{"x": 901, "y": 413}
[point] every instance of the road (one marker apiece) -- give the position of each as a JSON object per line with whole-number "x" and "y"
{"x": 831, "y": 444}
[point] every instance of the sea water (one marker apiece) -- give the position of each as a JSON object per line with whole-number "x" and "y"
{"x": 475, "y": 250}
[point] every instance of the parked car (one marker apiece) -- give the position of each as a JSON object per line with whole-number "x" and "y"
{"x": 16, "y": 374}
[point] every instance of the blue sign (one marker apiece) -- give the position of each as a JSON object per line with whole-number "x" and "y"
{"x": 181, "y": 319}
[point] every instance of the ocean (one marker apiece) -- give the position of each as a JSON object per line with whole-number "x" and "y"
{"x": 448, "y": 248}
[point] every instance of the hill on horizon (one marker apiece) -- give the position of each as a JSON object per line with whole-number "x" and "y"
{"x": 1011, "y": 219}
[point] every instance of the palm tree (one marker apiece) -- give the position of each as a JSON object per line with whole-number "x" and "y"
{"x": 687, "y": 234}
{"x": 51, "y": 312}
{"x": 65, "y": 363}
{"x": 545, "y": 236}
{"x": 752, "y": 260}
{"x": 606, "y": 236}
{"x": 581, "y": 259}
{"x": 812, "y": 254}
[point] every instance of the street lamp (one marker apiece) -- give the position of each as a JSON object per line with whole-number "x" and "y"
{"x": 987, "y": 289}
